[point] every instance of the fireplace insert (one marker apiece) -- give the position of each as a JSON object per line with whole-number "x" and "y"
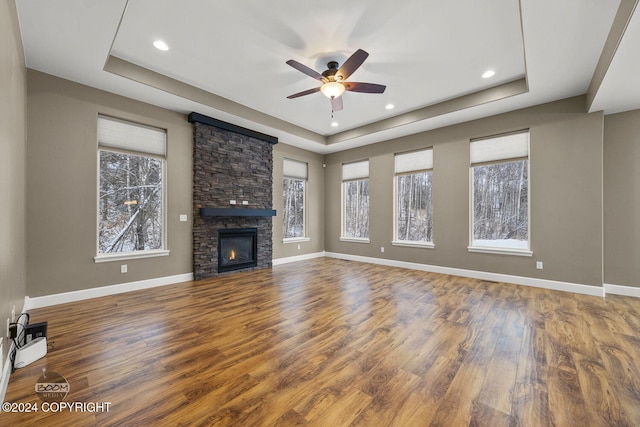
{"x": 237, "y": 248}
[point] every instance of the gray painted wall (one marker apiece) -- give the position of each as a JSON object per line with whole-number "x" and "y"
{"x": 314, "y": 203}
{"x": 622, "y": 199}
{"x": 63, "y": 179}
{"x": 62, "y": 186}
{"x": 13, "y": 104}
{"x": 566, "y": 193}
{"x": 565, "y": 190}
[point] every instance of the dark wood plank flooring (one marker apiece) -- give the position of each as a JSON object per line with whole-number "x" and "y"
{"x": 336, "y": 343}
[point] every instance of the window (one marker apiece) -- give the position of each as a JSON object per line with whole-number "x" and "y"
{"x": 355, "y": 201}
{"x": 413, "y": 201}
{"x": 131, "y": 160}
{"x": 500, "y": 194}
{"x": 294, "y": 187}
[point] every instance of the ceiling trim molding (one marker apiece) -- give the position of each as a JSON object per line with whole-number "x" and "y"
{"x": 505, "y": 90}
{"x": 146, "y": 76}
{"x": 616, "y": 33}
{"x": 167, "y": 84}
{"x": 524, "y": 46}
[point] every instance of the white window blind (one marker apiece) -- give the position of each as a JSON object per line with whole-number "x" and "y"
{"x": 355, "y": 170}
{"x": 120, "y": 134}
{"x": 414, "y": 161}
{"x": 512, "y": 146}
{"x": 295, "y": 169}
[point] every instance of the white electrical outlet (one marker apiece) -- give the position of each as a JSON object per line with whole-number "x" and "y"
{"x": 13, "y": 314}
{"x": 232, "y": 202}
{"x": 183, "y": 218}
{"x": 381, "y": 248}
{"x": 539, "y": 265}
{"x": 123, "y": 268}
{"x": 298, "y": 247}
{"x": 8, "y": 323}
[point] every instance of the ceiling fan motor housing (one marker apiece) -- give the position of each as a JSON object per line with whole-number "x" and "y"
{"x": 330, "y": 73}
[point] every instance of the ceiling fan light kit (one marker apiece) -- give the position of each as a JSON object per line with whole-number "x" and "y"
{"x": 333, "y": 79}
{"x": 332, "y": 89}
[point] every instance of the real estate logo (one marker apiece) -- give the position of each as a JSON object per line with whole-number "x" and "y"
{"x": 52, "y": 387}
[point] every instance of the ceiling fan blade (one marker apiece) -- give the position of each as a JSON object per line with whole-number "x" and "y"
{"x": 364, "y": 87}
{"x": 352, "y": 64}
{"x": 306, "y": 70}
{"x": 336, "y": 103}
{"x": 304, "y": 92}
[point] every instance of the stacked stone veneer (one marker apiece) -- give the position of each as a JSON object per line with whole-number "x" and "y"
{"x": 229, "y": 166}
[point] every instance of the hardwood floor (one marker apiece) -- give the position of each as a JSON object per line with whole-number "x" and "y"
{"x": 336, "y": 343}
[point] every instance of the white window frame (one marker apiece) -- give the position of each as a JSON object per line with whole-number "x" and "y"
{"x": 417, "y": 161}
{"x": 351, "y": 172}
{"x": 486, "y": 157}
{"x": 298, "y": 170}
{"x": 108, "y": 141}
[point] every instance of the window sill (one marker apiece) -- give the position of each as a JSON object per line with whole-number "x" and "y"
{"x": 410, "y": 244}
{"x": 354, "y": 239}
{"x": 296, "y": 240}
{"x": 130, "y": 255}
{"x": 500, "y": 251}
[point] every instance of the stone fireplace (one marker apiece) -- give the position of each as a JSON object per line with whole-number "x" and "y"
{"x": 232, "y": 194}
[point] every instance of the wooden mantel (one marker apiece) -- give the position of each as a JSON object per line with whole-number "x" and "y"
{"x": 215, "y": 212}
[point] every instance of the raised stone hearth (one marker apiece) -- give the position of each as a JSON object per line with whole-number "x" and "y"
{"x": 230, "y": 163}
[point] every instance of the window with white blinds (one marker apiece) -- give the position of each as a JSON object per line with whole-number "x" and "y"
{"x": 413, "y": 213}
{"x": 131, "y": 202}
{"x": 355, "y": 201}
{"x": 295, "y": 174}
{"x": 355, "y": 170}
{"x": 503, "y": 147}
{"x": 412, "y": 161}
{"x": 123, "y": 135}
{"x": 294, "y": 169}
{"x": 500, "y": 194}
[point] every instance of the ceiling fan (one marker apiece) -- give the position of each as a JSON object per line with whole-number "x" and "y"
{"x": 333, "y": 79}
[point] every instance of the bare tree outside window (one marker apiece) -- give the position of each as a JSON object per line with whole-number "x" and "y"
{"x": 130, "y": 205}
{"x": 293, "y": 194}
{"x": 501, "y": 205}
{"x": 414, "y": 211}
{"x": 356, "y": 208}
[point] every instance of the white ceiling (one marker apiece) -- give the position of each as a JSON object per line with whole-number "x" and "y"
{"x": 425, "y": 51}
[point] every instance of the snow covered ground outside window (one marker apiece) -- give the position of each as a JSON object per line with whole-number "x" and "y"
{"x": 503, "y": 243}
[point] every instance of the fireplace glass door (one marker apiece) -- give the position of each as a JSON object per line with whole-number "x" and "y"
{"x": 237, "y": 248}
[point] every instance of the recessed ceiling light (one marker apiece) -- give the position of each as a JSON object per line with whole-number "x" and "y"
{"x": 389, "y": 106}
{"x": 334, "y": 124}
{"x": 160, "y": 45}
{"x": 488, "y": 73}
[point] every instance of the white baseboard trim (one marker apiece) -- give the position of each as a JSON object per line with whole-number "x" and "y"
{"x": 628, "y": 291}
{"x": 296, "y": 258}
{"x": 482, "y": 275}
{"x": 47, "y": 300}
